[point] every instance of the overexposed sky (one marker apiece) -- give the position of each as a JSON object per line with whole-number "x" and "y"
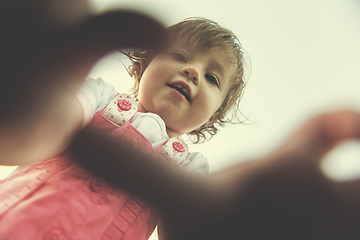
{"x": 304, "y": 58}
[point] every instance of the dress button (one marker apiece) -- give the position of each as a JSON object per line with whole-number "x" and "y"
{"x": 97, "y": 184}
{"x": 132, "y": 141}
{"x": 124, "y": 105}
{"x": 178, "y": 147}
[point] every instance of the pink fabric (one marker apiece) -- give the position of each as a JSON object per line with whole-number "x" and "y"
{"x": 57, "y": 199}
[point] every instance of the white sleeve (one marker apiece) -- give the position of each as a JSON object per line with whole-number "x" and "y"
{"x": 93, "y": 96}
{"x": 196, "y": 163}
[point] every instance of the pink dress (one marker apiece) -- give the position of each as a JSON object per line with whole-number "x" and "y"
{"x": 57, "y": 199}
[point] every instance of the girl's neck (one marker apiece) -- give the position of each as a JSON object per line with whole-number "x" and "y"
{"x": 140, "y": 107}
{"x": 171, "y": 133}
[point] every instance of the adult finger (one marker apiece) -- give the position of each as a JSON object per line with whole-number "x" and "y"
{"x": 99, "y": 35}
{"x": 57, "y": 61}
{"x": 321, "y": 134}
{"x": 298, "y": 168}
{"x": 288, "y": 196}
{"x": 172, "y": 191}
{"x": 43, "y": 65}
{"x": 59, "y": 14}
{"x": 348, "y": 211}
{"x": 73, "y": 57}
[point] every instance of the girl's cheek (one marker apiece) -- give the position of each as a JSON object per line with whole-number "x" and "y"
{"x": 216, "y": 103}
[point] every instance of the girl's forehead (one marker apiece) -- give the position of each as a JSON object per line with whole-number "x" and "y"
{"x": 218, "y": 51}
{"x": 217, "y": 57}
{"x": 183, "y": 45}
{"x": 197, "y": 48}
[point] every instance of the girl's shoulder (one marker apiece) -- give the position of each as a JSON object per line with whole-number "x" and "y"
{"x": 196, "y": 162}
{"x": 99, "y": 94}
{"x": 153, "y": 128}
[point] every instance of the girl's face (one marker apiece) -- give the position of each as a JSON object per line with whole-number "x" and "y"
{"x": 185, "y": 86}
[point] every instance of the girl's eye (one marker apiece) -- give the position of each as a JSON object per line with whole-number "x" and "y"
{"x": 179, "y": 56}
{"x": 212, "y": 79}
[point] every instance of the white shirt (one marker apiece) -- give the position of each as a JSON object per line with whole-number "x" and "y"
{"x": 96, "y": 94}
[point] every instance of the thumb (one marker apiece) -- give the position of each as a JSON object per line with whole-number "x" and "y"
{"x": 321, "y": 134}
{"x": 56, "y": 61}
{"x": 124, "y": 29}
{"x": 84, "y": 46}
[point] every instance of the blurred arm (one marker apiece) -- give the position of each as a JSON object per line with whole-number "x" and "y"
{"x": 45, "y": 58}
{"x": 282, "y": 196}
{"x": 40, "y": 137}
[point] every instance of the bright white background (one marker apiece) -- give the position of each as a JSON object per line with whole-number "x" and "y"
{"x": 304, "y": 60}
{"x": 305, "y": 57}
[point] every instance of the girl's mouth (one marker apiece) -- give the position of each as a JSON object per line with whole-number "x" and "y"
{"x": 182, "y": 90}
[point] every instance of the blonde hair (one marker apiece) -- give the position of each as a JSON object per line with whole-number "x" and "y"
{"x": 206, "y": 34}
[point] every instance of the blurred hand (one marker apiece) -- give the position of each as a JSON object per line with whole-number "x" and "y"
{"x": 47, "y": 49}
{"x": 283, "y": 196}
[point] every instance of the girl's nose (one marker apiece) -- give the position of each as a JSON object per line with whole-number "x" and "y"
{"x": 191, "y": 73}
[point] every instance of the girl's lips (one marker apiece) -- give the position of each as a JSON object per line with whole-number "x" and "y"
{"x": 182, "y": 88}
{"x": 178, "y": 94}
